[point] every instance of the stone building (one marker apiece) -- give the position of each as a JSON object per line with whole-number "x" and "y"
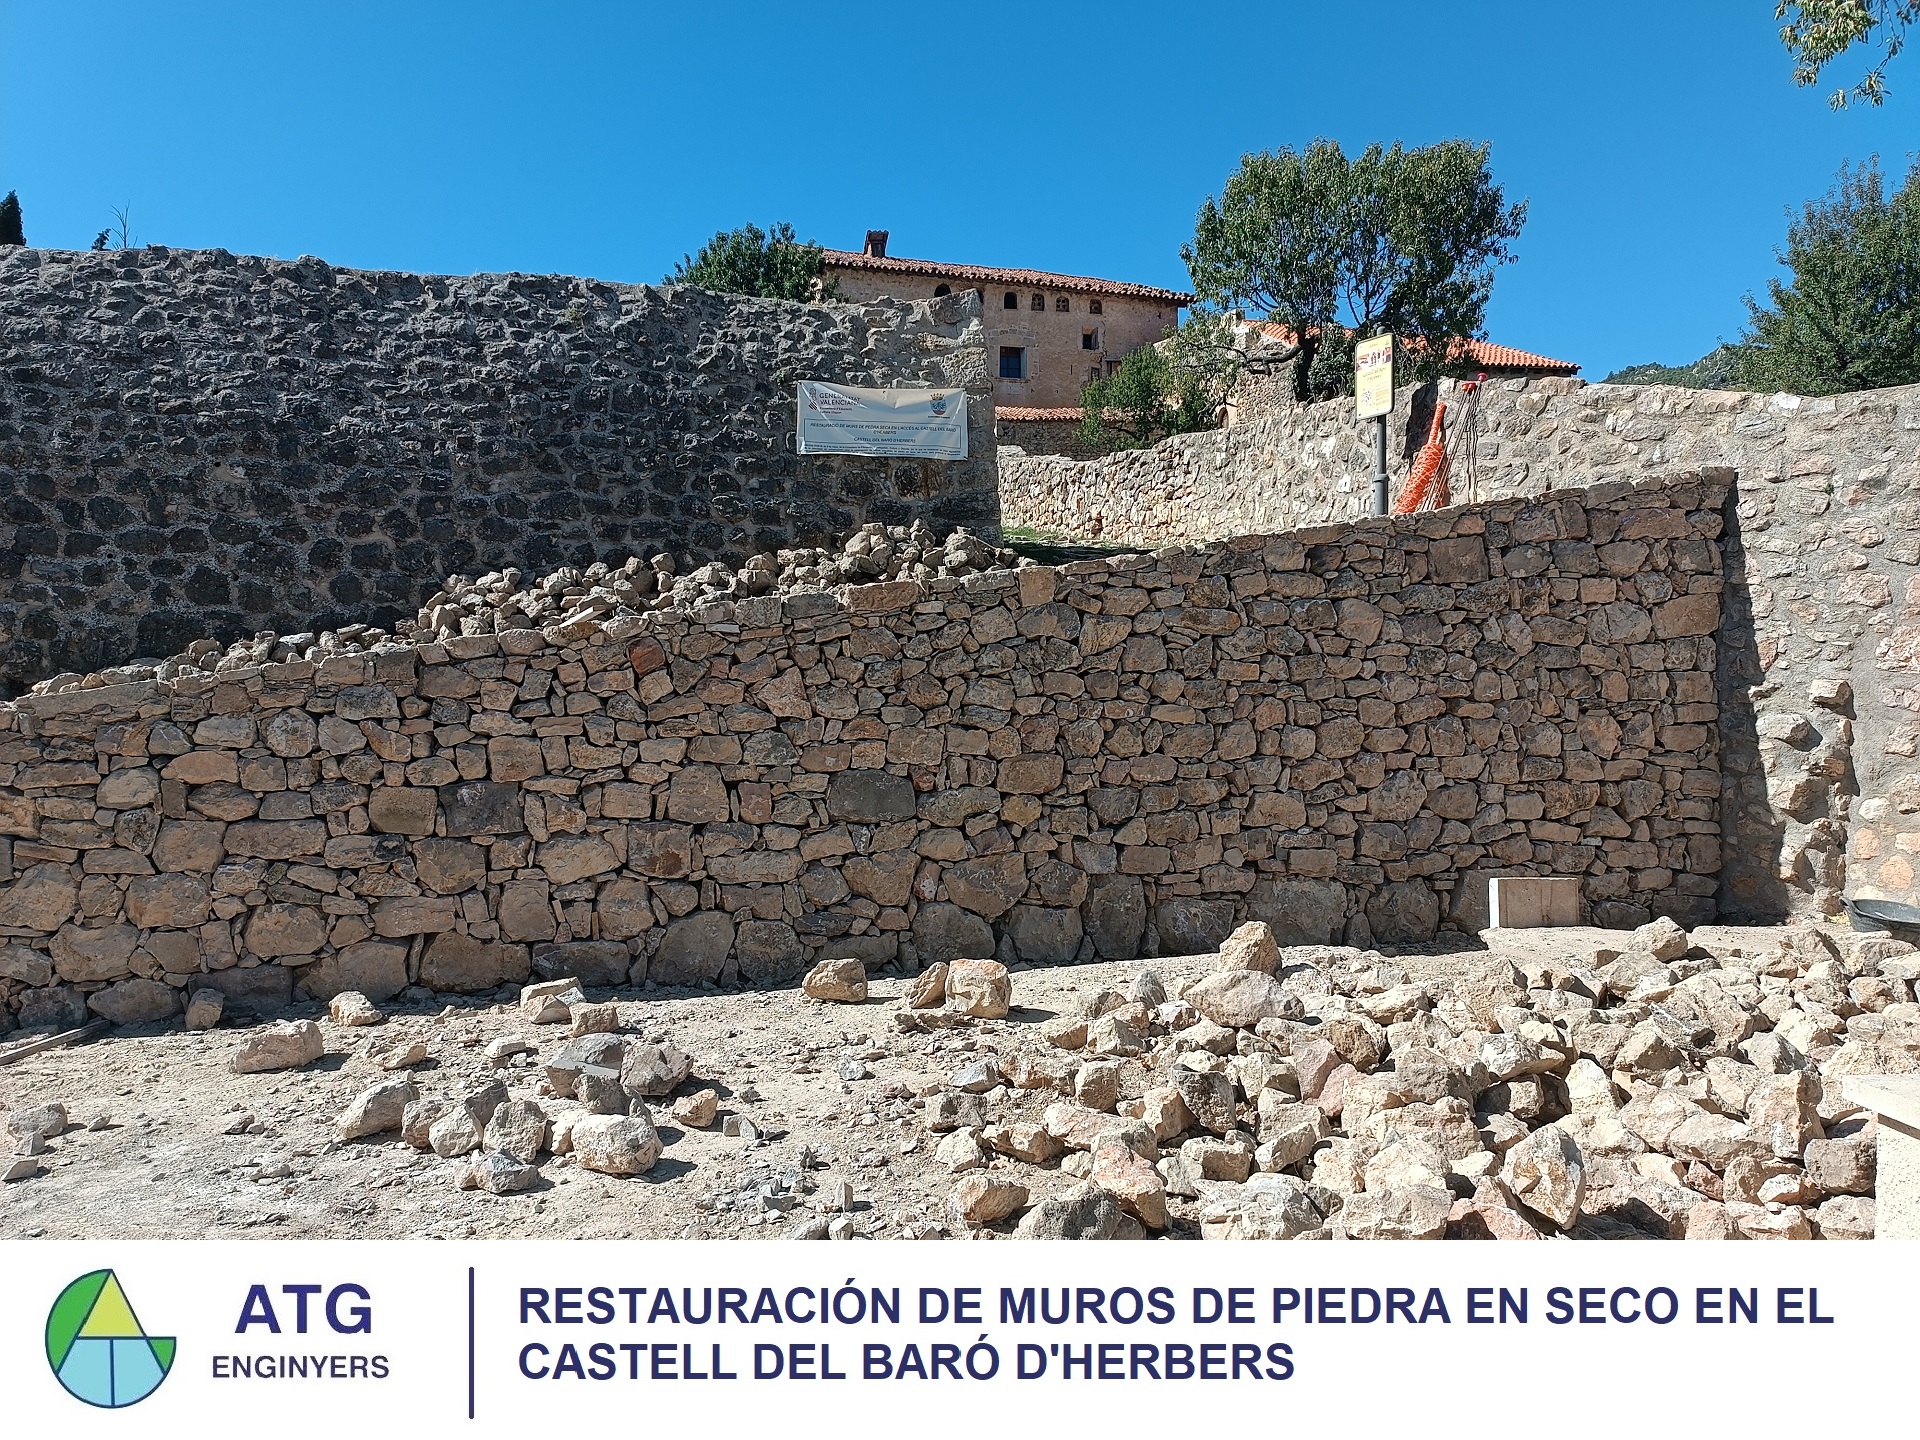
{"x": 1047, "y": 334}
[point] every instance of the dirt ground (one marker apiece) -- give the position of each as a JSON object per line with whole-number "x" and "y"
{"x": 149, "y": 1155}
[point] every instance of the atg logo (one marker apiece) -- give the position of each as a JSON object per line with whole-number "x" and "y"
{"x": 96, "y": 1346}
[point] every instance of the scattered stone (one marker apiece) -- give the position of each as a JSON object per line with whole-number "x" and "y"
{"x": 1251, "y": 947}
{"x": 843, "y": 981}
{"x": 283, "y": 1045}
{"x": 601, "y": 1019}
{"x": 697, "y": 1111}
{"x": 517, "y": 1128}
{"x": 960, "y": 1151}
{"x": 498, "y": 1174}
{"x": 616, "y": 1144}
{"x": 382, "y": 1106}
{"x": 652, "y": 1071}
{"x": 351, "y": 1008}
{"x": 983, "y": 1198}
{"x": 1085, "y": 1212}
{"x": 980, "y": 988}
{"x": 397, "y": 1052}
{"x": 928, "y": 989}
{"x": 38, "y": 1122}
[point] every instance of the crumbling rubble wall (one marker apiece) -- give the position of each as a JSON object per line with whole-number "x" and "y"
{"x": 1341, "y": 731}
{"x": 1821, "y": 693}
{"x": 195, "y": 443}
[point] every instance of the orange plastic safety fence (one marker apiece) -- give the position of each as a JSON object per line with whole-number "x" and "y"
{"x": 1426, "y": 487}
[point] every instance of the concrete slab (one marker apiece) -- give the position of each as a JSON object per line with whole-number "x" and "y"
{"x": 1524, "y": 902}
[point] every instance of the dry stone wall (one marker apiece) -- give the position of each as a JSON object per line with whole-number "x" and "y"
{"x": 195, "y": 443}
{"x": 1342, "y": 731}
{"x": 1820, "y": 679}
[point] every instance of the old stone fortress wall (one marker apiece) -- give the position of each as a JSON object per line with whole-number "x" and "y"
{"x": 196, "y": 444}
{"x": 1820, "y": 666}
{"x": 1332, "y": 731}
{"x": 1695, "y": 689}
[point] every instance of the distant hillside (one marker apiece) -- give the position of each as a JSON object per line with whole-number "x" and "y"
{"x": 1719, "y": 369}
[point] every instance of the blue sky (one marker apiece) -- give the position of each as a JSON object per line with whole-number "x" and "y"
{"x": 1659, "y": 145}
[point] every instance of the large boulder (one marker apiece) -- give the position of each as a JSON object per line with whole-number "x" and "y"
{"x": 286, "y": 1045}
{"x": 616, "y": 1144}
{"x": 980, "y": 988}
{"x": 1241, "y": 999}
{"x": 844, "y": 981}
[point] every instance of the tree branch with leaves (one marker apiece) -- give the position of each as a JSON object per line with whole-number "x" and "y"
{"x": 750, "y": 261}
{"x": 1819, "y": 32}
{"x": 1392, "y": 241}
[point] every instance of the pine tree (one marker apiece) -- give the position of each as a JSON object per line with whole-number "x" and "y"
{"x": 11, "y": 232}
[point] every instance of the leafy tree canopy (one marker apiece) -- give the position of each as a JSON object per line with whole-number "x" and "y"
{"x": 1818, "y": 32}
{"x": 750, "y": 261}
{"x": 12, "y": 231}
{"x": 1849, "y": 318}
{"x": 1391, "y": 241}
{"x": 1171, "y": 388}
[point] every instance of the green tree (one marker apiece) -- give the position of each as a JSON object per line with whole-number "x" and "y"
{"x": 1849, "y": 318}
{"x": 750, "y": 261}
{"x": 1145, "y": 399}
{"x": 1819, "y": 32}
{"x": 1393, "y": 240}
{"x": 12, "y": 232}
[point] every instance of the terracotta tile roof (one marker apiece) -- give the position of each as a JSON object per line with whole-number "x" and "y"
{"x": 1481, "y": 352}
{"x": 1037, "y": 412}
{"x": 993, "y": 275}
{"x": 1506, "y": 357}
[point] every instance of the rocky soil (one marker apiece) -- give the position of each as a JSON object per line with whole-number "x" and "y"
{"x": 1595, "y": 1084}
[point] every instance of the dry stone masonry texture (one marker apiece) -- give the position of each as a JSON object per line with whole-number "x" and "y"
{"x": 1341, "y": 732}
{"x": 194, "y": 443}
{"x": 1820, "y": 677}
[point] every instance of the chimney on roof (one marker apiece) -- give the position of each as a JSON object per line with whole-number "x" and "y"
{"x": 876, "y": 244}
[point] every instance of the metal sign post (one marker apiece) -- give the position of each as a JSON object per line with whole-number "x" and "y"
{"x": 1373, "y": 396}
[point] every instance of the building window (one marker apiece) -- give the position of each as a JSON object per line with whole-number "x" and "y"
{"x": 1093, "y": 373}
{"x": 1062, "y": 304}
{"x": 1039, "y": 302}
{"x": 1089, "y": 339}
{"x": 942, "y": 289}
{"x": 1113, "y": 367}
{"x": 1093, "y": 307}
{"x": 1013, "y": 362}
{"x": 1012, "y": 302}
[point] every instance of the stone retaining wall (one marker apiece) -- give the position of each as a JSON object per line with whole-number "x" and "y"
{"x": 1341, "y": 731}
{"x": 1820, "y": 685}
{"x": 194, "y": 443}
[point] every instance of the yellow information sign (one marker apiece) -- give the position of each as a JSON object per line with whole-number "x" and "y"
{"x": 1373, "y": 376}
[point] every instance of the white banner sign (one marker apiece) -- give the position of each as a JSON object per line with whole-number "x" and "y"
{"x": 841, "y": 420}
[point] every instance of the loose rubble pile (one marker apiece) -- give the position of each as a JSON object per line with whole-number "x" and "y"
{"x": 1592, "y": 1084}
{"x": 503, "y": 600}
{"x": 1668, "y": 1087}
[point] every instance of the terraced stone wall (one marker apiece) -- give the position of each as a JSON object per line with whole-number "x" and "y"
{"x": 195, "y": 443}
{"x": 1341, "y": 731}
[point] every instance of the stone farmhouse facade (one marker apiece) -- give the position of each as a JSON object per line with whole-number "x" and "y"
{"x": 1047, "y": 334}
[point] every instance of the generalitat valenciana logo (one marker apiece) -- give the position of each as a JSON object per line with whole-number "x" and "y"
{"x": 97, "y": 1349}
